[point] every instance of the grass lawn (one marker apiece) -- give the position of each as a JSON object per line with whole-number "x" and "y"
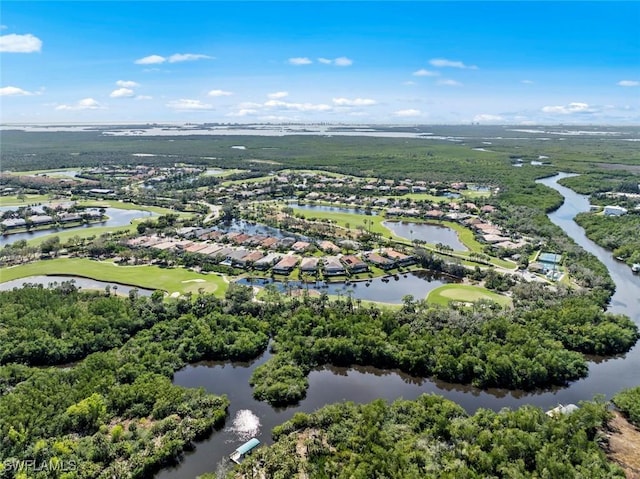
{"x": 87, "y": 232}
{"x": 131, "y": 206}
{"x": 463, "y": 292}
{"x": 258, "y": 179}
{"x": 28, "y": 200}
{"x": 171, "y": 280}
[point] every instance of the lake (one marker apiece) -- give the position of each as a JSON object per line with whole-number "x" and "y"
{"x": 80, "y": 282}
{"x": 387, "y": 290}
{"x": 430, "y": 233}
{"x": 116, "y": 217}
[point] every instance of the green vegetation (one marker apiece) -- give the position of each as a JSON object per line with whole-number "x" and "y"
{"x": 464, "y": 293}
{"x": 628, "y": 401}
{"x": 619, "y": 234}
{"x": 171, "y": 280}
{"x": 23, "y": 200}
{"x": 45, "y": 326}
{"x": 131, "y": 206}
{"x": 116, "y": 413}
{"x": 540, "y": 343}
{"x": 432, "y": 437}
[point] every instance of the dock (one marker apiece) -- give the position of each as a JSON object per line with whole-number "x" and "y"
{"x": 238, "y": 455}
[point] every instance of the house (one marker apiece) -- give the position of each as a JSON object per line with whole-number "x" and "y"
{"x": 615, "y": 210}
{"x": 235, "y": 257}
{"x": 328, "y": 246}
{"x": 267, "y": 261}
{"x": 400, "y": 259}
{"x": 379, "y": 260}
{"x": 309, "y": 265}
{"x": 332, "y": 266}
{"x": 300, "y": 246}
{"x": 354, "y": 264}
{"x": 249, "y": 259}
{"x": 196, "y": 247}
{"x": 285, "y": 265}
{"x": 14, "y": 223}
{"x": 270, "y": 242}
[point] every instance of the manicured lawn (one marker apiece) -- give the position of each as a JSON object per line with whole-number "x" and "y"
{"x": 463, "y": 292}
{"x": 131, "y": 206}
{"x": 171, "y": 280}
{"x": 88, "y": 232}
{"x": 28, "y": 200}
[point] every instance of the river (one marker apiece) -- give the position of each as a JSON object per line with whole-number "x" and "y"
{"x": 363, "y": 384}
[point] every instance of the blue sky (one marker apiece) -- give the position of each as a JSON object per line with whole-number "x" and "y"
{"x": 360, "y": 62}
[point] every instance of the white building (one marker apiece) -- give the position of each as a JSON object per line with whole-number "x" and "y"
{"x": 614, "y": 210}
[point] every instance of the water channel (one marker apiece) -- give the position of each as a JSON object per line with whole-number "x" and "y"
{"x": 363, "y": 384}
{"x": 116, "y": 217}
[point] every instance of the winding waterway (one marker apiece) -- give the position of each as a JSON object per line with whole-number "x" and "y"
{"x": 363, "y": 384}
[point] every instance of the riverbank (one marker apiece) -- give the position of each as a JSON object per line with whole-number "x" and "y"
{"x": 624, "y": 445}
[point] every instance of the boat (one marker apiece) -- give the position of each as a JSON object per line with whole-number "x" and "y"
{"x": 238, "y": 455}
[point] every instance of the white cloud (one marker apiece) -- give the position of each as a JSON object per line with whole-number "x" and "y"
{"x": 14, "y": 91}
{"x": 127, "y": 84}
{"x": 354, "y": 102}
{"x": 84, "y": 104}
{"x": 300, "y": 61}
{"x": 487, "y": 117}
{"x": 144, "y": 97}
{"x": 343, "y": 62}
{"x": 449, "y": 82}
{"x": 527, "y": 82}
{"x": 122, "y": 93}
{"x": 13, "y": 43}
{"x": 574, "y": 107}
{"x": 282, "y": 105}
{"x": 444, "y": 63}
{"x": 425, "y": 73}
{"x": 407, "y": 113}
{"x": 243, "y": 112}
{"x": 150, "y": 60}
{"x": 409, "y": 83}
{"x": 278, "y": 94}
{"x": 188, "y": 57}
{"x": 217, "y": 93}
{"x": 185, "y": 104}
{"x": 339, "y": 62}
{"x": 628, "y": 83}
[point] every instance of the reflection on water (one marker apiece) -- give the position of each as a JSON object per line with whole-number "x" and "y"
{"x": 332, "y": 209}
{"x": 86, "y": 283}
{"x": 429, "y": 233}
{"x": 389, "y": 289}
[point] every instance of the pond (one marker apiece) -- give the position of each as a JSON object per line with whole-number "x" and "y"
{"x": 116, "y": 217}
{"x": 331, "y": 209}
{"x": 80, "y": 282}
{"x": 428, "y": 232}
{"x": 363, "y": 384}
{"x": 390, "y": 289}
{"x": 249, "y": 228}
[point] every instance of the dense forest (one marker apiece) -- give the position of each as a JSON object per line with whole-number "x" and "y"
{"x": 432, "y": 437}
{"x": 116, "y": 410}
{"x": 628, "y": 401}
{"x": 115, "y": 413}
{"x": 542, "y": 342}
{"x": 619, "y": 234}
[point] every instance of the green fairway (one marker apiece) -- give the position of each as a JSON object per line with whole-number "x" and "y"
{"x": 171, "y": 280}
{"x": 466, "y": 293}
{"x": 27, "y": 200}
{"x": 131, "y": 206}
